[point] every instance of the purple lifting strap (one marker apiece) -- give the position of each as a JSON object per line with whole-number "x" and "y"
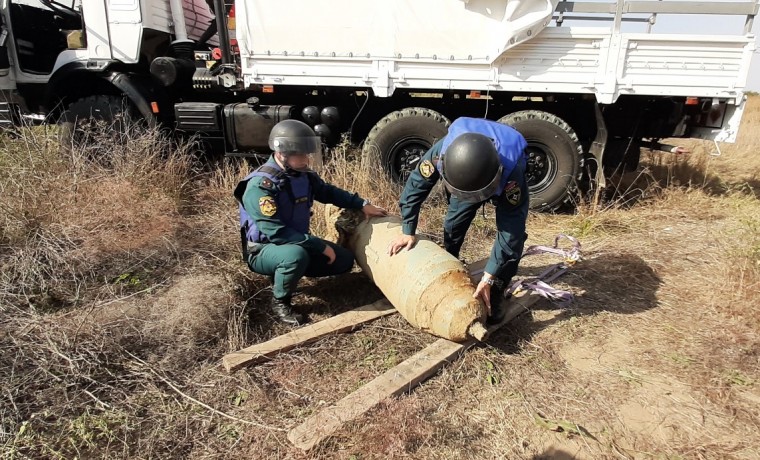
{"x": 539, "y": 284}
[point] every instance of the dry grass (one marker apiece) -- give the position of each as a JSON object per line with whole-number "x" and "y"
{"x": 122, "y": 287}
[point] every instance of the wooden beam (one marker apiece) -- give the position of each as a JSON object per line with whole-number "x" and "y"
{"x": 517, "y": 305}
{"x": 395, "y": 381}
{"x": 343, "y": 322}
{"x": 476, "y": 270}
{"x": 402, "y": 378}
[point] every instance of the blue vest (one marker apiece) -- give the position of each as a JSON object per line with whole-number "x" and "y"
{"x": 508, "y": 141}
{"x": 294, "y": 201}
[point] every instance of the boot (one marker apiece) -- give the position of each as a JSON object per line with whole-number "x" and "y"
{"x": 292, "y": 294}
{"x": 284, "y": 312}
{"x": 499, "y": 301}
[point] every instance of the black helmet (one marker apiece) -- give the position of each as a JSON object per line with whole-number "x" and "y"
{"x": 330, "y": 116}
{"x": 310, "y": 115}
{"x": 471, "y": 168}
{"x": 294, "y": 137}
{"x": 323, "y": 131}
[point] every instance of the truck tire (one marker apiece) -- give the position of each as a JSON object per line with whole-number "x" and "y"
{"x": 555, "y": 157}
{"x": 399, "y": 140}
{"x": 90, "y": 115}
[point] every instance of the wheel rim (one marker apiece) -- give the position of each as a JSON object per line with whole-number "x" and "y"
{"x": 541, "y": 166}
{"x": 405, "y": 155}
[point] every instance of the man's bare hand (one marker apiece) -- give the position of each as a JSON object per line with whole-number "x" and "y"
{"x": 484, "y": 292}
{"x": 370, "y": 210}
{"x": 401, "y": 242}
{"x": 329, "y": 252}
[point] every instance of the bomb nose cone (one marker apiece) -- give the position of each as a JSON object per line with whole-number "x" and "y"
{"x": 477, "y": 331}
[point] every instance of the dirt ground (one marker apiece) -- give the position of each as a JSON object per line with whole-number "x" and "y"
{"x": 112, "y": 331}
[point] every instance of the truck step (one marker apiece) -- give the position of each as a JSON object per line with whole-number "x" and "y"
{"x": 7, "y": 115}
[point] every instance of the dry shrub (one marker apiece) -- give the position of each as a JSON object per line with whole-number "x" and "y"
{"x": 93, "y": 381}
{"x": 71, "y": 216}
{"x": 342, "y": 168}
{"x": 65, "y": 383}
{"x": 366, "y": 178}
{"x": 192, "y": 311}
{"x": 121, "y": 274}
{"x": 104, "y": 227}
{"x": 212, "y": 229}
{"x": 714, "y": 169}
{"x": 727, "y": 167}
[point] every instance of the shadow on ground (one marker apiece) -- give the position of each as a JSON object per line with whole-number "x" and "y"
{"x": 629, "y": 188}
{"x": 319, "y": 298}
{"x": 553, "y": 454}
{"x": 617, "y": 283}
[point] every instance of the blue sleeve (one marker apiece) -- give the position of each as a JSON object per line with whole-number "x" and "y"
{"x": 421, "y": 181}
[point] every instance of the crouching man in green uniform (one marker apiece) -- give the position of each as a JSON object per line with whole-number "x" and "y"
{"x": 479, "y": 161}
{"x": 275, "y": 204}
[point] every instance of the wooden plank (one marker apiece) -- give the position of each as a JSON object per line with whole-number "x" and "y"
{"x": 476, "y": 270}
{"x": 342, "y": 322}
{"x": 518, "y": 304}
{"x": 395, "y": 381}
{"x": 404, "y": 377}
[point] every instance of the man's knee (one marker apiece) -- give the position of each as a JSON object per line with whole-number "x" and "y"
{"x": 293, "y": 257}
{"x": 287, "y": 258}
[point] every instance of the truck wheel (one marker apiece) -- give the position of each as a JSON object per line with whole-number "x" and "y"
{"x": 400, "y": 139}
{"x": 95, "y": 116}
{"x": 555, "y": 157}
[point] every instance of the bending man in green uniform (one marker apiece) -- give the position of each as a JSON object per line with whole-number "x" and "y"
{"x": 479, "y": 161}
{"x": 275, "y": 204}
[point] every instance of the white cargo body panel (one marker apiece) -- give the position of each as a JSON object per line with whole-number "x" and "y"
{"x": 486, "y": 45}
{"x": 478, "y": 30}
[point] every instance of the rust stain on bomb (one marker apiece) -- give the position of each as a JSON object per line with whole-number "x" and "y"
{"x": 428, "y": 286}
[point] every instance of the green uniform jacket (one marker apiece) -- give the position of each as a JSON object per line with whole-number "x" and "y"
{"x": 273, "y": 228}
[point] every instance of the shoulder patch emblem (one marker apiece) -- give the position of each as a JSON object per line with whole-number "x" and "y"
{"x": 427, "y": 169}
{"x": 267, "y": 205}
{"x": 512, "y": 193}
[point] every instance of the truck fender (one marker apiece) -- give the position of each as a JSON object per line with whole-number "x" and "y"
{"x": 133, "y": 87}
{"x": 137, "y": 92}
